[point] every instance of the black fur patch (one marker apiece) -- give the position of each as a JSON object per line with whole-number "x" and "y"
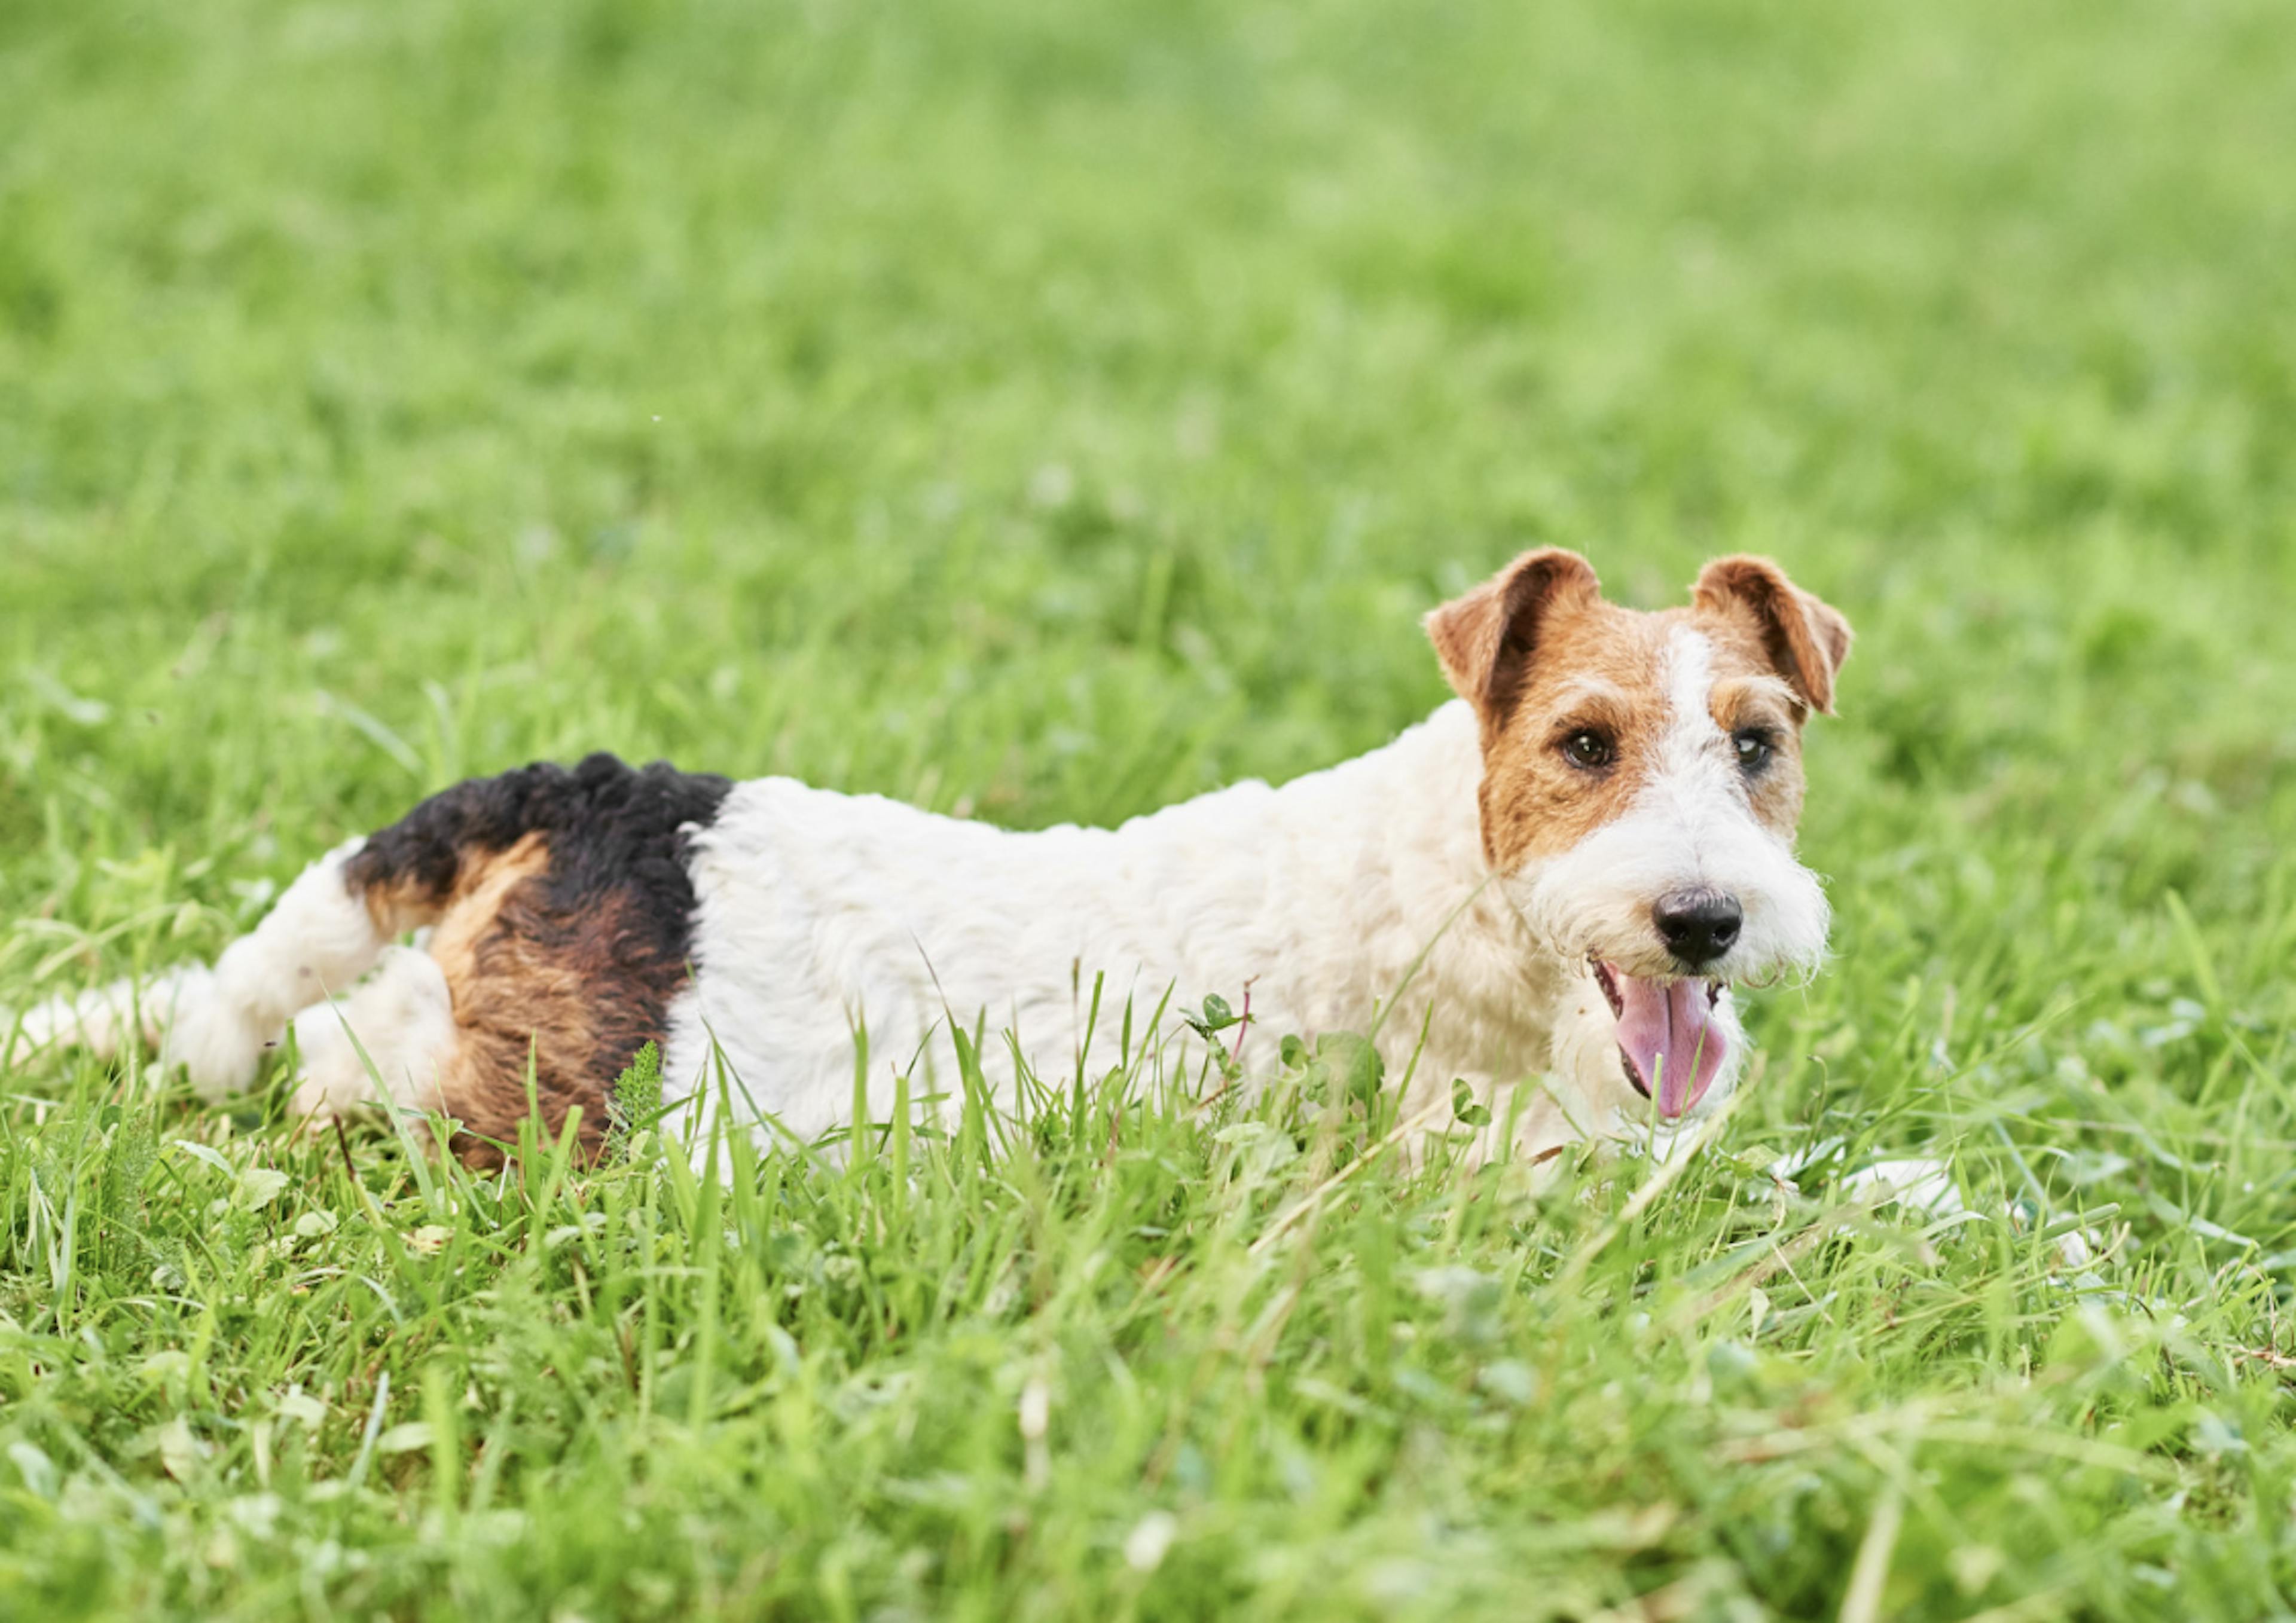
{"x": 609, "y": 827}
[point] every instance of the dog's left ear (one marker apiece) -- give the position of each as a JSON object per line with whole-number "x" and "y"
{"x": 1486, "y": 640}
{"x": 1806, "y": 640}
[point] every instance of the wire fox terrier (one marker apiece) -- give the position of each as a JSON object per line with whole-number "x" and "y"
{"x": 1555, "y": 882}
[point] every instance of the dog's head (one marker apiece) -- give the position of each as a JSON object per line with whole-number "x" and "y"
{"x": 1641, "y": 779}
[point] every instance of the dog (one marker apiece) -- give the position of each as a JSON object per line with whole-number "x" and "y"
{"x": 1551, "y": 890}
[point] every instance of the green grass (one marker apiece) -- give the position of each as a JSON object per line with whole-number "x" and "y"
{"x": 1049, "y": 411}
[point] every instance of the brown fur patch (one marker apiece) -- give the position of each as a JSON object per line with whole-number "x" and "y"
{"x": 1599, "y": 670}
{"x": 402, "y": 903}
{"x": 527, "y": 986}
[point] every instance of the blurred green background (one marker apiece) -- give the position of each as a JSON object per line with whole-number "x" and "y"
{"x": 1048, "y": 410}
{"x": 1065, "y": 408}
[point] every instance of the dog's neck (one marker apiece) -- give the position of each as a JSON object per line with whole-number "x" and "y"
{"x": 1361, "y": 893}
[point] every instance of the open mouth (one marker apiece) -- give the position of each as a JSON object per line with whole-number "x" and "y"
{"x": 1669, "y": 1040}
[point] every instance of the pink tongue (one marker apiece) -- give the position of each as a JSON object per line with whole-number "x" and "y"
{"x": 1669, "y": 1034}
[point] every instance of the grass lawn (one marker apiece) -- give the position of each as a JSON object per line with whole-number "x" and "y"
{"x": 1046, "y": 412}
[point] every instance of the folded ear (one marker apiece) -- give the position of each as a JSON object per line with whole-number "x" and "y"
{"x": 1486, "y": 639}
{"x": 1806, "y": 640}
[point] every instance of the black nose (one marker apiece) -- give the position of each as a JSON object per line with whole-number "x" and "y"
{"x": 1697, "y": 926}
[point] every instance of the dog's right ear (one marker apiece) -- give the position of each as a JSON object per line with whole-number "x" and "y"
{"x": 1486, "y": 639}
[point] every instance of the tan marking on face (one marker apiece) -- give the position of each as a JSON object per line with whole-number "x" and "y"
{"x": 1600, "y": 668}
{"x": 1775, "y": 790}
{"x": 1748, "y": 693}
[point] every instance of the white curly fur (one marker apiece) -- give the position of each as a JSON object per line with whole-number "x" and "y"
{"x": 822, "y": 914}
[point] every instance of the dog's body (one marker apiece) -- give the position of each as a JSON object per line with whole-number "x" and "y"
{"x": 1310, "y": 902}
{"x": 1552, "y": 881}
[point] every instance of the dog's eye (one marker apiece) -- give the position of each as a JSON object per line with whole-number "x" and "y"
{"x": 1754, "y": 748}
{"x": 1590, "y": 749}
